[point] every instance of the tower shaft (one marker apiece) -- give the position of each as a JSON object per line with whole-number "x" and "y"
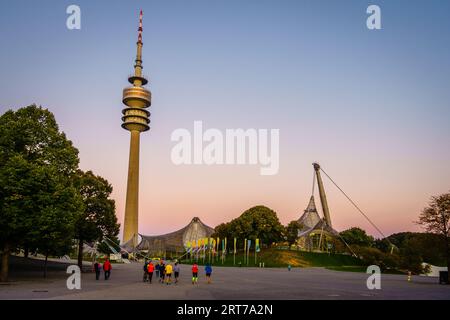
{"x": 130, "y": 230}
{"x": 323, "y": 197}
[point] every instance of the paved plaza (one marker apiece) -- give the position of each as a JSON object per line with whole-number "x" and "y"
{"x": 228, "y": 283}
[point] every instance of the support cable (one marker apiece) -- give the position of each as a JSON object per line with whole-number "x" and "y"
{"x": 354, "y": 204}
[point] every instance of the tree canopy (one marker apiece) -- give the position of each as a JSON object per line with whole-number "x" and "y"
{"x": 98, "y": 218}
{"x": 357, "y": 236}
{"x": 43, "y": 204}
{"x": 292, "y": 230}
{"x": 435, "y": 218}
{"x": 37, "y": 203}
{"x": 257, "y": 222}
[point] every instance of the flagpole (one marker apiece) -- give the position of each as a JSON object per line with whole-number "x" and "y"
{"x": 248, "y": 251}
{"x": 234, "y": 253}
{"x": 217, "y": 249}
{"x": 245, "y": 251}
{"x": 209, "y": 248}
{"x": 255, "y": 253}
{"x": 225, "y": 256}
{"x": 223, "y": 250}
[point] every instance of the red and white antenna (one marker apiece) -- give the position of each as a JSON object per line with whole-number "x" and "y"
{"x": 140, "y": 28}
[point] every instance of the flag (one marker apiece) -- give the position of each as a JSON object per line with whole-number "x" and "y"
{"x": 235, "y": 245}
{"x": 225, "y": 245}
{"x": 249, "y": 244}
{"x": 257, "y": 245}
{"x": 188, "y": 246}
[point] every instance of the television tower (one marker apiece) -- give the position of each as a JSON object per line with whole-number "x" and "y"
{"x": 136, "y": 120}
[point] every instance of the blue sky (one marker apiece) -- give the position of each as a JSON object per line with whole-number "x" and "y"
{"x": 371, "y": 106}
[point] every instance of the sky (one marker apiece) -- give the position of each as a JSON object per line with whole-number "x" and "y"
{"x": 371, "y": 106}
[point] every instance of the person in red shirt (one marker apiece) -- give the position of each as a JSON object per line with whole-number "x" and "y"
{"x": 150, "y": 269}
{"x": 107, "y": 268}
{"x": 194, "y": 273}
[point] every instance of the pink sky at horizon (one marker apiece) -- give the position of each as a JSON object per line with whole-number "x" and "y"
{"x": 170, "y": 195}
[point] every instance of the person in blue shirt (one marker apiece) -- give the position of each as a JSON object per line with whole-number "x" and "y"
{"x": 157, "y": 270}
{"x": 208, "y": 271}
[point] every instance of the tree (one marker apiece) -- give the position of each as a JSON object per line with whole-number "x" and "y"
{"x": 257, "y": 222}
{"x": 428, "y": 246}
{"x": 98, "y": 218}
{"x": 37, "y": 162}
{"x": 410, "y": 256}
{"x": 54, "y": 207}
{"x": 223, "y": 231}
{"x": 435, "y": 218}
{"x": 357, "y": 236}
{"x": 292, "y": 231}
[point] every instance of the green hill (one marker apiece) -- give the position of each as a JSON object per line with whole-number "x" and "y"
{"x": 275, "y": 258}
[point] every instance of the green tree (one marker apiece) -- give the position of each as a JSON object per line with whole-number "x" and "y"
{"x": 98, "y": 219}
{"x": 292, "y": 231}
{"x": 428, "y": 246}
{"x": 223, "y": 231}
{"x": 410, "y": 256}
{"x": 37, "y": 162}
{"x": 435, "y": 218}
{"x": 357, "y": 236}
{"x": 257, "y": 222}
{"x": 383, "y": 244}
{"x": 53, "y": 227}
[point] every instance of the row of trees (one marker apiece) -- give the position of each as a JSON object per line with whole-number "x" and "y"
{"x": 46, "y": 201}
{"x": 400, "y": 251}
{"x": 409, "y": 250}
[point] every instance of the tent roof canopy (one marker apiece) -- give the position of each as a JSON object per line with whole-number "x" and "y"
{"x": 176, "y": 240}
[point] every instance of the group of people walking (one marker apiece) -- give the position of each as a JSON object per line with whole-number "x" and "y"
{"x": 107, "y": 267}
{"x": 164, "y": 272}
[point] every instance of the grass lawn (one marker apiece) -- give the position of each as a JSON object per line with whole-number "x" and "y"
{"x": 274, "y": 258}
